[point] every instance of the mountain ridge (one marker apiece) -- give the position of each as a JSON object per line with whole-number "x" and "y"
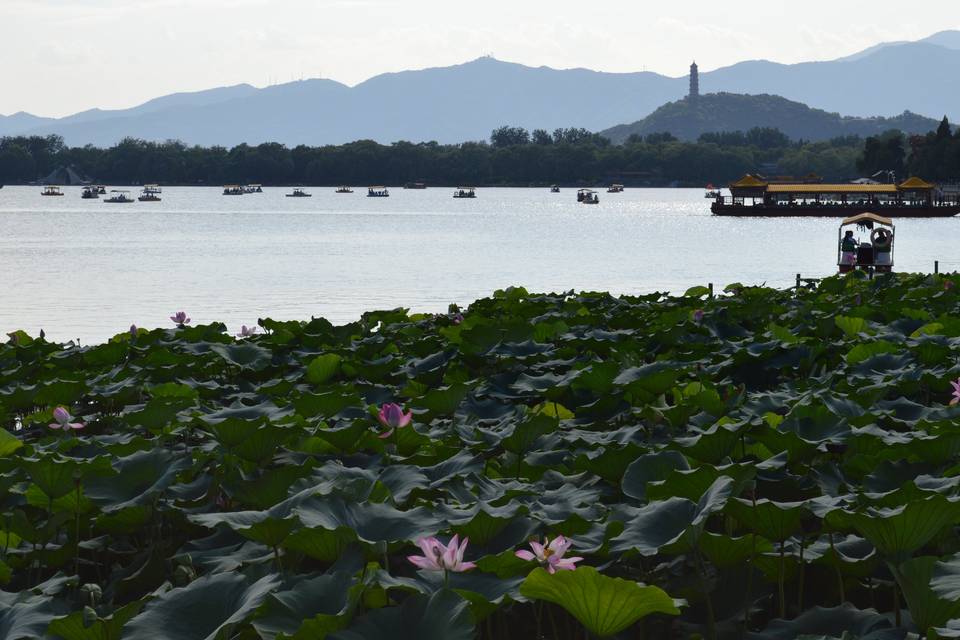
{"x": 466, "y": 101}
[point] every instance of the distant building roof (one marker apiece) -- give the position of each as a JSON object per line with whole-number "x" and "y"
{"x": 65, "y": 175}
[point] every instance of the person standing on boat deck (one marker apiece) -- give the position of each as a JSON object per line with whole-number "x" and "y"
{"x": 848, "y": 248}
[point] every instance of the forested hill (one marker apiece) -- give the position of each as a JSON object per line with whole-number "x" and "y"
{"x": 717, "y": 112}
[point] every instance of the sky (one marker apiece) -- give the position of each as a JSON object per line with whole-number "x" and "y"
{"x": 64, "y": 56}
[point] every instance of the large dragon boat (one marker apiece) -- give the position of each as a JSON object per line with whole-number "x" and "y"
{"x": 755, "y": 196}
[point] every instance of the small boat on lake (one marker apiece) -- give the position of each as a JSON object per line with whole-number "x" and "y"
{"x": 872, "y": 251}
{"x": 120, "y": 197}
{"x": 299, "y": 193}
{"x": 150, "y": 193}
{"x": 588, "y": 196}
{"x": 253, "y": 188}
{"x": 465, "y": 192}
{"x": 344, "y": 189}
{"x": 555, "y": 189}
{"x": 101, "y": 189}
{"x": 90, "y": 192}
{"x": 615, "y": 188}
{"x": 377, "y": 192}
{"x": 233, "y": 190}
{"x": 51, "y": 190}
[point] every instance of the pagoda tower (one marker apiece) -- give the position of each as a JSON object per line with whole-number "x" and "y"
{"x": 694, "y": 82}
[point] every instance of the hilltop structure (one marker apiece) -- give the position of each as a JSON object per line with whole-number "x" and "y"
{"x": 694, "y": 82}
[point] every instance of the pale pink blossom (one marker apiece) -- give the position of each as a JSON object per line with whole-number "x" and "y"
{"x": 956, "y": 391}
{"x": 550, "y": 554}
{"x": 180, "y": 318}
{"x": 246, "y": 332}
{"x": 392, "y": 417}
{"x": 698, "y": 316}
{"x": 63, "y": 417}
{"x": 437, "y": 557}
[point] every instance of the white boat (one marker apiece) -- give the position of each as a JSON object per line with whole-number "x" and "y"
{"x": 120, "y": 197}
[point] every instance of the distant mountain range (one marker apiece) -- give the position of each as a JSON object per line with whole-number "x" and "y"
{"x": 688, "y": 119}
{"x": 467, "y": 101}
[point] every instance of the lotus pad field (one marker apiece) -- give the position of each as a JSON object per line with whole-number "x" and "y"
{"x": 761, "y": 464}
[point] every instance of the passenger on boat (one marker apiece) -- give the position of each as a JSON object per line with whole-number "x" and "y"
{"x": 881, "y": 245}
{"x": 848, "y": 249}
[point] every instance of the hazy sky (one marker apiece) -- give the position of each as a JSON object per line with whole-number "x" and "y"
{"x": 62, "y": 56}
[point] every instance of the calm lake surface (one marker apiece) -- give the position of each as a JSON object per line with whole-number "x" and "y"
{"x": 85, "y": 269}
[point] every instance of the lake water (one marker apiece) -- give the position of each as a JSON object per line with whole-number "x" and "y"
{"x": 85, "y": 269}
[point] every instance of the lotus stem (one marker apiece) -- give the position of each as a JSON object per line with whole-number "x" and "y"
{"x": 711, "y": 617}
{"x": 553, "y": 623}
{"x": 780, "y": 581}
{"x": 800, "y": 579}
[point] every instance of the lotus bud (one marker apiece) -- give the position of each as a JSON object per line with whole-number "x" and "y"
{"x": 89, "y": 616}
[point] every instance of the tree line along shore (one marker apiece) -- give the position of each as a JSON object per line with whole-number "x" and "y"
{"x": 512, "y": 156}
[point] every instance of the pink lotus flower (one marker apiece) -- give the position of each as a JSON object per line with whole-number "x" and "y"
{"x": 437, "y": 557}
{"x": 246, "y": 332}
{"x": 180, "y": 318}
{"x": 133, "y": 331}
{"x": 457, "y": 318}
{"x": 392, "y": 417}
{"x": 698, "y": 316}
{"x": 62, "y": 417}
{"x": 956, "y": 392}
{"x": 550, "y": 554}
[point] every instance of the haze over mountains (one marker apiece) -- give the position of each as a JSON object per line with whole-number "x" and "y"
{"x": 467, "y": 101}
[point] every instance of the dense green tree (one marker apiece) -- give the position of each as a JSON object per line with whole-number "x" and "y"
{"x": 883, "y": 153}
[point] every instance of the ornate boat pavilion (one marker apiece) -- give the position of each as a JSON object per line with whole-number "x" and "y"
{"x": 754, "y": 196}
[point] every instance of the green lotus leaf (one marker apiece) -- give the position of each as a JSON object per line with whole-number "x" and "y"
{"x": 245, "y": 355}
{"x": 898, "y": 532}
{"x": 323, "y": 368}
{"x": 55, "y": 477}
{"x": 206, "y": 609}
{"x": 443, "y": 401}
{"x": 775, "y": 521}
{"x": 824, "y": 622}
{"x": 140, "y": 478}
{"x": 443, "y": 615}
{"x": 26, "y": 614}
{"x": 604, "y": 605}
{"x": 73, "y": 626}
{"x": 312, "y": 608}
{"x": 8, "y": 443}
{"x": 851, "y": 326}
{"x": 868, "y": 350}
{"x": 321, "y": 544}
{"x": 651, "y": 467}
{"x": 927, "y": 607}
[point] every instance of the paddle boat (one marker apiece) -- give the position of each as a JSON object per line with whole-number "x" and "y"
{"x": 102, "y": 189}
{"x": 253, "y": 188}
{"x": 377, "y": 192}
{"x": 555, "y": 189}
{"x": 120, "y": 197}
{"x": 90, "y": 192}
{"x": 465, "y": 192}
{"x": 150, "y": 193}
{"x": 232, "y": 190}
{"x": 51, "y": 190}
{"x": 344, "y": 189}
{"x": 615, "y": 188}
{"x": 299, "y": 193}
{"x": 865, "y": 241}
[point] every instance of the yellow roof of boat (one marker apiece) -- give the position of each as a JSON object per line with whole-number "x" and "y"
{"x": 864, "y": 217}
{"x": 832, "y": 188}
{"x": 914, "y": 184}
{"x": 748, "y": 181}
